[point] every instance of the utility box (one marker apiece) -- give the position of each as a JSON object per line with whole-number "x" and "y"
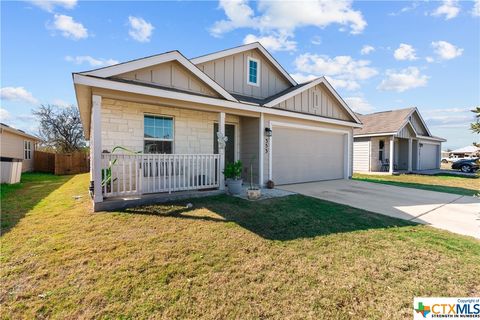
{"x": 10, "y": 170}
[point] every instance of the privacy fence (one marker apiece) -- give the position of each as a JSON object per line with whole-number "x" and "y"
{"x": 60, "y": 164}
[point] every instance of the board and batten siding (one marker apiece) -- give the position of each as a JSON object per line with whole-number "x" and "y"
{"x": 406, "y": 132}
{"x": 361, "y": 155}
{"x": 316, "y": 100}
{"x": 172, "y": 75}
{"x": 230, "y": 72}
{"x": 417, "y": 124}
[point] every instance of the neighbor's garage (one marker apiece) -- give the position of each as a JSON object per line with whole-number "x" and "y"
{"x": 429, "y": 156}
{"x": 302, "y": 155}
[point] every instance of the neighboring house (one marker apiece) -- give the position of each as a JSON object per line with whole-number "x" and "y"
{"x": 169, "y": 109}
{"x": 17, "y": 144}
{"x": 466, "y": 152}
{"x": 401, "y": 135}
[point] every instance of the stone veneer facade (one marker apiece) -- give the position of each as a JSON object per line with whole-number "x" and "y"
{"x": 122, "y": 125}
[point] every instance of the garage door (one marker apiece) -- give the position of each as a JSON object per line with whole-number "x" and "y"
{"x": 428, "y": 156}
{"x": 305, "y": 155}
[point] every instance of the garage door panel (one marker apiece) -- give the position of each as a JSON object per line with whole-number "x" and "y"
{"x": 428, "y": 156}
{"x": 306, "y": 155}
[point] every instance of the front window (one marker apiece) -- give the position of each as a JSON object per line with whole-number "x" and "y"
{"x": 381, "y": 150}
{"x": 27, "y": 147}
{"x": 157, "y": 134}
{"x": 253, "y": 67}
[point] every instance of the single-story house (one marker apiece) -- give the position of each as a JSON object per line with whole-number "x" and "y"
{"x": 17, "y": 144}
{"x": 466, "y": 152}
{"x": 182, "y": 119}
{"x": 401, "y": 135}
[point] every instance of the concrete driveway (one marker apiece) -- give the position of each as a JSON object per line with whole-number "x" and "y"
{"x": 459, "y": 214}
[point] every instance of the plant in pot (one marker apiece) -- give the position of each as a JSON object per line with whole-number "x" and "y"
{"x": 253, "y": 192}
{"x": 232, "y": 173}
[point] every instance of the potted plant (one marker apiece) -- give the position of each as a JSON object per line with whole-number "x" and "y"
{"x": 253, "y": 192}
{"x": 232, "y": 173}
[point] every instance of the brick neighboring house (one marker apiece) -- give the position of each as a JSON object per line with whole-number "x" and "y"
{"x": 176, "y": 113}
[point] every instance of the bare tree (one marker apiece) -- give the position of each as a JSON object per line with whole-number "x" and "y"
{"x": 60, "y": 127}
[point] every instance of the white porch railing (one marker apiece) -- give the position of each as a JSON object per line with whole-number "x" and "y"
{"x": 152, "y": 173}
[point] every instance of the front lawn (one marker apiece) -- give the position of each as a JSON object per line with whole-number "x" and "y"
{"x": 466, "y": 186}
{"x": 293, "y": 257}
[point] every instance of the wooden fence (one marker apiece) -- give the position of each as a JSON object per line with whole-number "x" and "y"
{"x": 60, "y": 164}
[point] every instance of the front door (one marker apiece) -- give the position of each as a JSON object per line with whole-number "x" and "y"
{"x": 230, "y": 146}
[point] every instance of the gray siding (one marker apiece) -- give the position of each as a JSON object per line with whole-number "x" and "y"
{"x": 417, "y": 124}
{"x": 406, "y": 132}
{"x": 231, "y": 73}
{"x": 249, "y": 147}
{"x": 172, "y": 75}
{"x": 318, "y": 101}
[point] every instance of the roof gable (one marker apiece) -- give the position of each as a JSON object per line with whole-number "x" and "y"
{"x": 247, "y": 47}
{"x": 331, "y": 97}
{"x": 128, "y": 67}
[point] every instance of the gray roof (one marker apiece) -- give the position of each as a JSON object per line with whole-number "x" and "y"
{"x": 382, "y": 122}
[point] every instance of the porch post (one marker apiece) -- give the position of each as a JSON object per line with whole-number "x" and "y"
{"x": 96, "y": 134}
{"x": 410, "y": 154}
{"x": 261, "y": 129}
{"x": 391, "y": 160}
{"x": 221, "y": 150}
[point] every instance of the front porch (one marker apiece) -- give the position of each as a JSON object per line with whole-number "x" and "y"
{"x": 135, "y": 159}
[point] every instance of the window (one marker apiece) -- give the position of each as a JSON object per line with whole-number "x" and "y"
{"x": 381, "y": 149}
{"x": 157, "y": 134}
{"x": 253, "y": 68}
{"x": 27, "y": 147}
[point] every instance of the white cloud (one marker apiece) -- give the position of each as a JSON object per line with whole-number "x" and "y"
{"x": 359, "y": 104}
{"x": 100, "y": 62}
{"x": 286, "y": 16}
{"x": 317, "y": 40}
{"x": 403, "y": 80}
{"x": 4, "y": 115}
{"x": 429, "y": 59}
{"x": 476, "y": 9}
{"x": 62, "y": 103}
{"x": 140, "y": 30}
{"x": 411, "y": 7}
{"x": 69, "y": 27}
{"x": 49, "y": 5}
{"x": 367, "y": 49}
{"x": 405, "y": 52}
{"x": 272, "y": 42}
{"x": 343, "y": 71}
{"x": 446, "y": 50}
{"x": 449, "y": 8}
{"x": 17, "y": 94}
{"x": 448, "y": 117}
{"x": 301, "y": 78}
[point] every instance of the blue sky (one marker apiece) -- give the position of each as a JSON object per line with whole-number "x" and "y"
{"x": 378, "y": 55}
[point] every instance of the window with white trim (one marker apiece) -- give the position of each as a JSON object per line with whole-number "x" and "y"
{"x": 157, "y": 134}
{"x": 27, "y": 150}
{"x": 253, "y": 68}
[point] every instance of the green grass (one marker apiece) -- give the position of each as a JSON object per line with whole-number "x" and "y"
{"x": 466, "y": 186}
{"x": 293, "y": 257}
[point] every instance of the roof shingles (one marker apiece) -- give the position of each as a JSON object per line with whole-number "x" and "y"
{"x": 382, "y": 122}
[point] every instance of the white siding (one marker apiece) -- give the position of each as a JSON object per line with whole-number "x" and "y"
{"x": 361, "y": 155}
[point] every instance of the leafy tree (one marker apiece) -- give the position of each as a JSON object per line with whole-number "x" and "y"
{"x": 60, "y": 128}
{"x": 476, "y": 125}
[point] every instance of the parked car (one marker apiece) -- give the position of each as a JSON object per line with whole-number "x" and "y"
{"x": 466, "y": 165}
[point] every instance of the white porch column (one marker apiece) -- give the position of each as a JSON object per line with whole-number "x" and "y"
{"x": 410, "y": 154}
{"x": 391, "y": 160}
{"x": 96, "y": 136}
{"x": 261, "y": 133}
{"x": 221, "y": 151}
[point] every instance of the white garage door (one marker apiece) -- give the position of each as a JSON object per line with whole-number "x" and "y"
{"x": 306, "y": 155}
{"x": 428, "y": 156}
{"x": 361, "y": 156}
